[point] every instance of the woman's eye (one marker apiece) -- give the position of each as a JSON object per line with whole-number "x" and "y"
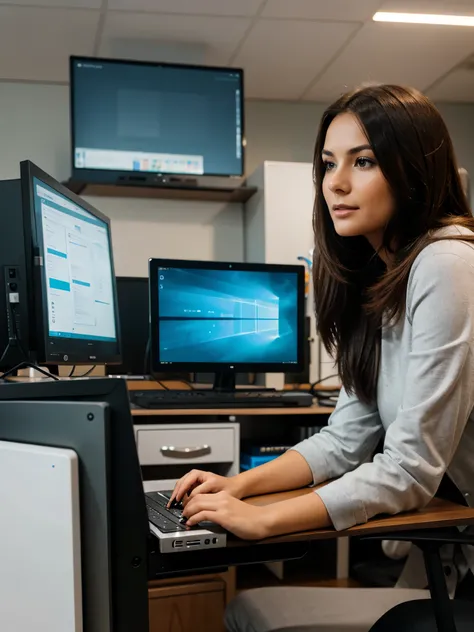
{"x": 328, "y": 165}
{"x": 364, "y": 162}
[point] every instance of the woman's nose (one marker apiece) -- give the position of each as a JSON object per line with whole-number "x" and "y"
{"x": 339, "y": 182}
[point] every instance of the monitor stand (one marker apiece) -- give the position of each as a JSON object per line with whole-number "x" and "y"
{"x": 224, "y": 382}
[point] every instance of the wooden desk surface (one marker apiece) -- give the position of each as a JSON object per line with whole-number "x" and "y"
{"x": 438, "y": 513}
{"x": 300, "y": 410}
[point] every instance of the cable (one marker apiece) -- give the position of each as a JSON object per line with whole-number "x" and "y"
{"x": 30, "y": 365}
{"x": 16, "y": 332}
{"x": 6, "y": 350}
{"x": 314, "y": 384}
{"x": 88, "y": 372}
{"x": 163, "y": 385}
{"x": 71, "y": 372}
{"x": 146, "y": 364}
{"x": 187, "y": 382}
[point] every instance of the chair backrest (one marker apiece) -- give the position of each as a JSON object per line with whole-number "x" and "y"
{"x": 418, "y": 616}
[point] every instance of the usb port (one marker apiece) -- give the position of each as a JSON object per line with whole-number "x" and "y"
{"x": 177, "y": 544}
{"x": 193, "y": 542}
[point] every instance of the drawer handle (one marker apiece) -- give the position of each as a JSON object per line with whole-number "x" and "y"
{"x": 185, "y": 453}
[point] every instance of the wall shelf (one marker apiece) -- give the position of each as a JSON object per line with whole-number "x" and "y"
{"x": 206, "y": 194}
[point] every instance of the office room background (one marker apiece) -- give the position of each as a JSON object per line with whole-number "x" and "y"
{"x": 282, "y": 47}
{"x": 297, "y": 57}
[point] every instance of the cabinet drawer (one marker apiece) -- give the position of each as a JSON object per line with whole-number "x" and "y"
{"x": 191, "y": 445}
{"x": 187, "y": 608}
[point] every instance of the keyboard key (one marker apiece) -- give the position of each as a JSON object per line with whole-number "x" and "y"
{"x": 165, "y": 526}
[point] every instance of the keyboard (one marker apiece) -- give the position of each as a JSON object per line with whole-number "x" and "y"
{"x": 166, "y": 520}
{"x": 216, "y": 399}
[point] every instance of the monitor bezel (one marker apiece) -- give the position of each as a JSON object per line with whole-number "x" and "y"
{"x": 80, "y": 351}
{"x": 111, "y": 175}
{"x": 221, "y": 367}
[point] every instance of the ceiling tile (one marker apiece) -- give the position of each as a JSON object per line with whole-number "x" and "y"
{"x": 445, "y": 7}
{"x": 344, "y": 10}
{"x": 376, "y": 54}
{"x": 177, "y": 38}
{"x": 192, "y": 7}
{"x": 280, "y": 58}
{"x": 458, "y": 86}
{"x": 64, "y": 4}
{"x": 27, "y": 53}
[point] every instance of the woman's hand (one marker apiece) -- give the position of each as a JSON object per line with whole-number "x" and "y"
{"x": 250, "y": 522}
{"x": 245, "y": 521}
{"x": 198, "y": 482}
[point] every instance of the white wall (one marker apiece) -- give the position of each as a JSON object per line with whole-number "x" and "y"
{"x": 34, "y": 124}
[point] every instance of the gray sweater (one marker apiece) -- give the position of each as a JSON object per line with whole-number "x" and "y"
{"x": 425, "y": 401}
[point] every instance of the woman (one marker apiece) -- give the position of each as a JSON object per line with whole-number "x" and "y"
{"x": 394, "y": 299}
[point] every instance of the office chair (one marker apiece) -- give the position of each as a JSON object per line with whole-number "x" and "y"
{"x": 440, "y": 613}
{"x": 305, "y": 609}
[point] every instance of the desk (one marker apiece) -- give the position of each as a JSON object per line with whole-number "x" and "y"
{"x": 231, "y": 412}
{"x": 438, "y": 513}
{"x": 220, "y": 430}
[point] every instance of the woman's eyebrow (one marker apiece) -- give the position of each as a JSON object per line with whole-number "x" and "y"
{"x": 354, "y": 150}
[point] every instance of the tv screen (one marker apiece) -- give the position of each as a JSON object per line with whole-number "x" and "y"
{"x": 155, "y": 118}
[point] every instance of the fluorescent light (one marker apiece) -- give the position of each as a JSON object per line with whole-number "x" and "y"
{"x": 424, "y": 18}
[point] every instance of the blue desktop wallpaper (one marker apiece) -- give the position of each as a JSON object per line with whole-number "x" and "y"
{"x": 227, "y": 316}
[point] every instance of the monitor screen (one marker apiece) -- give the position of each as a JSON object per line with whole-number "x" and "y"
{"x": 230, "y": 316}
{"x": 76, "y": 294}
{"x": 156, "y": 118}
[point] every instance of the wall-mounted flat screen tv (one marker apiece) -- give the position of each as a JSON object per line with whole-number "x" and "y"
{"x": 130, "y": 117}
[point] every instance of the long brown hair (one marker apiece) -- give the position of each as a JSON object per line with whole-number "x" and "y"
{"x": 354, "y": 292}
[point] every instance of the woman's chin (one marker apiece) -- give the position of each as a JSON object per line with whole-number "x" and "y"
{"x": 347, "y": 229}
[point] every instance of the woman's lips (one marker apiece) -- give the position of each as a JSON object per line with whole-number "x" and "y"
{"x": 343, "y": 210}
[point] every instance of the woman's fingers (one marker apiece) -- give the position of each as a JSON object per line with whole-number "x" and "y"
{"x": 203, "y": 488}
{"x": 205, "y": 515}
{"x": 200, "y": 503}
{"x": 184, "y": 484}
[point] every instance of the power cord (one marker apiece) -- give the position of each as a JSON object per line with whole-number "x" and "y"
{"x": 329, "y": 377}
{"x": 146, "y": 361}
{"x": 28, "y": 365}
{"x": 147, "y": 370}
{"x": 86, "y": 374}
{"x": 5, "y": 352}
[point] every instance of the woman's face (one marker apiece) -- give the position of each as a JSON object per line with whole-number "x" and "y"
{"x": 357, "y": 194}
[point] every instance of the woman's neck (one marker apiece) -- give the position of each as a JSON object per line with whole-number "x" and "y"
{"x": 376, "y": 241}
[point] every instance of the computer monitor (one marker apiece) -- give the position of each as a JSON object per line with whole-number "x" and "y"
{"x": 226, "y": 318}
{"x": 72, "y": 289}
{"x": 133, "y": 120}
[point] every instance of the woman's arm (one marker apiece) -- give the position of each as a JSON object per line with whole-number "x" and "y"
{"x": 349, "y": 439}
{"x": 351, "y": 436}
{"x": 288, "y": 471}
{"x": 437, "y": 400}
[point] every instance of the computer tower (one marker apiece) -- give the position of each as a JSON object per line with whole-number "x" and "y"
{"x": 15, "y": 275}
{"x": 114, "y": 523}
{"x": 132, "y": 297}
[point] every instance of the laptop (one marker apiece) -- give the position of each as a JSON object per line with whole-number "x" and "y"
{"x": 174, "y": 536}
